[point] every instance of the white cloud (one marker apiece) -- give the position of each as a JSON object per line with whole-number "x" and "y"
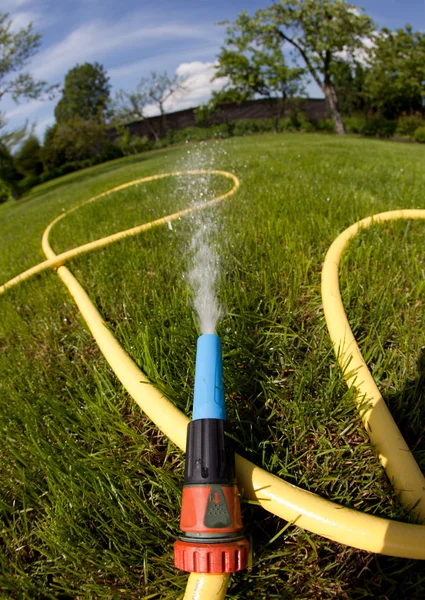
{"x": 96, "y": 39}
{"x": 198, "y": 87}
{"x": 20, "y": 20}
{"x": 157, "y": 61}
{"x": 25, "y": 110}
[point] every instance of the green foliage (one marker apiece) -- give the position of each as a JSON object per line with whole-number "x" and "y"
{"x": 419, "y": 135}
{"x": 349, "y": 81}
{"x": 325, "y": 125}
{"x": 318, "y": 31}
{"x": 204, "y": 113}
{"x": 28, "y": 159}
{"x": 408, "y": 124}
{"x": 355, "y": 123}
{"x": 396, "y": 80}
{"x": 75, "y": 140}
{"x": 18, "y": 46}
{"x": 8, "y": 171}
{"x": 5, "y": 191}
{"x": 256, "y": 69}
{"x": 85, "y": 95}
{"x": 379, "y": 126}
{"x": 249, "y": 126}
{"x": 129, "y": 144}
{"x": 50, "y": 154}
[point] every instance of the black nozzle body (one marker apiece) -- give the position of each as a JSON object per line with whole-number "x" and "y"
{"x": 210, "y": 457}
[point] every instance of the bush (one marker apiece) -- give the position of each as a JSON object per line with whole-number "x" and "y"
{"x": 307, "y": 126}
{"x": 5, "y": 192}
{"x": 224, "y": 130}
{"x": 28, "y": 182}
{"x": 419, "y": 135}
{"x": 28, "y": 159}
{"x": 189, "y": 134}
{"x": 408, "y": 124}
{"x": 286, "y": 125}
{"x": 355, "y": 124}
{"x": 110, "y": 152}
{"x": 324, "y": 125}
{"x": 378, "y": 126}
{"x": 131, "y": 144}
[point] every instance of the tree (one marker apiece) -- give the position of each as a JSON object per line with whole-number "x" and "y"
{"x": 75, "y": 140}
{"x": 257, "y": 70}
{"x": 319, "y": 33}
{"x": 17, "y": 47}
{"x": 396, "y": 79}
{"x": 85, "y": 94}
{"x": 9, "y": 175}
{"x": 28, "y": 159}
{"x": 153, "y": 91}
{"x": 349, "y": 81}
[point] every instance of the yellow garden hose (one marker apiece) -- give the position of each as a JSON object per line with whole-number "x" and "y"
{"x": 283, "y": 499}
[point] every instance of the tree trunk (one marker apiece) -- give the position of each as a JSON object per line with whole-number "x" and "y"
{"x": 332, "y": 101}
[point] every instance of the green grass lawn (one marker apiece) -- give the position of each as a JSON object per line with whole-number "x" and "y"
{"x": 89, "y": 490}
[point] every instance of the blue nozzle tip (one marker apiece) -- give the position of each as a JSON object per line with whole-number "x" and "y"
{"x": 208, "y": 402}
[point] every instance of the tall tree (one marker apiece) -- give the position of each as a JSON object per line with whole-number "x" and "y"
{"x": 28, "y": 159}
{"x": 152, "y": 91}
{"x": 75, "y": 140}
{"x": 396, "y": 80}
{"x": 319, "y": 32}
{"x": 85, "y": 94}
{"x": 257, "y": 70}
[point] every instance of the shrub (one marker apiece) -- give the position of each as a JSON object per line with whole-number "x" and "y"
{"x": 110, "y": 152}
{"x": 28, "y": 159}
{"x": 419, "y": 135}
{"x": 307, "y": 126}
{"x": 28, "y": 182}
{"x": 378, "y": 126}
{"x": 408, "y": 124}
{"x": 130, "y": 144}
{"x": 189, "y": 134}
{"x": 286, "y": 125}
{"x": 224, "y": 130}
{"x": 5, "y": 192}
{"x": 324, "y": 125}
{"x": 355, "y": 124}
{"x": 205, "y": 113}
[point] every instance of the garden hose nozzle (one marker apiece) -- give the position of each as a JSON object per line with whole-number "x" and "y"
{"x": 212, "y": 540}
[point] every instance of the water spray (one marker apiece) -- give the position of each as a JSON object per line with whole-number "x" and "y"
{"x": 212, "y": 540}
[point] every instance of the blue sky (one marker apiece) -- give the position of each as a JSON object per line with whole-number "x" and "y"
{"x": 131, "y": 38}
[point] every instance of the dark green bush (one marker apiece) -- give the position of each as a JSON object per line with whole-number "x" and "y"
{"x": 419, "y": 135}
{"x": 111, "y": 152}
{"x": 408, "y": 124}
{"x": 378, "y": 126}
{"x": 5, "y": 191}
{"x": 324, "y": 125}
{"x": 355, "y": 123}
{"x": 29, "y": 182}
{"x": 224, "y": 130}
{"x": 189, "y": 134}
